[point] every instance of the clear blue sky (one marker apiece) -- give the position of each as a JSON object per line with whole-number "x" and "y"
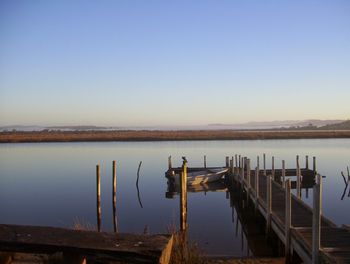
{"x": 173, "y": 62}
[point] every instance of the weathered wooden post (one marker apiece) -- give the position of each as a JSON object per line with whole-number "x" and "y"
{"x": 256, "y": 185}
{"x": 231, "y": 165}
{"x": 268, "y": 202}
{"x": 183, "y": 197}
{"x": 169, "y": 163}
{"x": 298, "y": 178}
{"x": 316, "y": 219}
{"x": 114, "y": 191}
{"x": 273, "y": 168}
{"x": 236, "y": 160}
{"x": 227, "y": 162}
{"x": 242, "y": 170}
{"x": 307, "y": 162}
{"x": 288, "y": 219}
{"x": 283, "y": 172}
{"x": 264, "y": 161}
{"x": 205, "y": 161}
{"x": 98, "y": 197}
{"x": 245, "y": 168}
{"x": 257, "y": 161}
{"x": 239, "y": 159}
{"x": 314, "y": 165}
{"x": 248, "y": 174}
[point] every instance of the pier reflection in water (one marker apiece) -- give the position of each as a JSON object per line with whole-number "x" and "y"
{"x": 247, "y": 227}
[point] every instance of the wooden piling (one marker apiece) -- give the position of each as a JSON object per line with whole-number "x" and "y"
{"x": 316, "y": 219}
{"x": 307, "y": 162}
{"x": 268, "y": 202}
{"x": 183, "y": 197}
{"x": 264, "y": 161}
{"x": 98, "y": 197}
{"x": 169, "y": 163}
{"x": 242, "y": 169}
{"x": 205, "y": 161}
{"x": 256, "y": 185}
{"x": 236, "y": 161}
{"x": 314, "y": 164}
{"x": 114, "y": 191}
{"x": 283, "y": 172}
{"x": 231, "y": 165}
{"x": 227, "y": 161}
{"x": 273, "y": 168}
{"x": 288, "y": 219}
{"x": 257, "y": 161}
{"x": 248, "y": 175}
{"x": 298, "y": 177}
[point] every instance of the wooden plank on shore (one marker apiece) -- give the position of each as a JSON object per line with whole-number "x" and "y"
{"x": 130, "y": 248}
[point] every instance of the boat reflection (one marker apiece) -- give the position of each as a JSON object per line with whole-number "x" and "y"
{"x": 174, "y": 189}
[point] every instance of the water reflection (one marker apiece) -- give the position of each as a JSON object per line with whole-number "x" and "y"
{"x": 346, "y": 182}
{"x": 248, "y": 224}
{"x": 137, "y": 185}
{"x": 39, "y": 179}
{"x": 174, "y": 189}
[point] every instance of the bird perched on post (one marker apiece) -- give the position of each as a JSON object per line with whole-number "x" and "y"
{"x": 184, "y": 159}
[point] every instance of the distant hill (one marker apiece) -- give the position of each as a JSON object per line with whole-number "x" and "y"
{"x": 278, "y": 124}
{"x": 339, "y": 126}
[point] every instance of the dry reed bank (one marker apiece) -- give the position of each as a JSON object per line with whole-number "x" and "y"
{"x": 132, "y": 135}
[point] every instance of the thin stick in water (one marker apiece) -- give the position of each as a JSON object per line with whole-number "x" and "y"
{"x": 137, "y": 184}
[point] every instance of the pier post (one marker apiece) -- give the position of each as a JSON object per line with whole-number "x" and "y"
{"x": 98, "y": 197}
{"x": 273, "y": 168}
{"x": 264, "y": 161}
{"x": 307, "y": 162}
{"x": 288, "y": 219}
{"x": 298, "y": 178}
{"x": 183, "y": 197}
{"x": 227, "y": 161}
{"x": 239, "y": 159}
{"x": 205, "y": 161}
{"x": 242, "y": 170}
{"x": 114, "y": 191}
{"x": 268, "y": 202}
{"x": 256, "y": 185}
{"x": 283, "y": 172}
{"x": 169, "y": 163}
{"x": 314, "y": 164}
{"x": 248, "y": 176}
{"x": 257, "y": 161}
{"x": 236, "y": 160}
{"x": 316, "y": 219}
{"x": 231, "y": 165}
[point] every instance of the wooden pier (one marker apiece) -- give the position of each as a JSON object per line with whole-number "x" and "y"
{"x": 78, "y": 246}
{"x": 303, "y": 230}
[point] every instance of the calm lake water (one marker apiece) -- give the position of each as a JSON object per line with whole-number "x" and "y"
{"x": 53, "y": 184}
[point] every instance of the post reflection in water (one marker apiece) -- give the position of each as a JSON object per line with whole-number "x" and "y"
{"x": 346, "y": 182}
{"x": 248, "y": 226}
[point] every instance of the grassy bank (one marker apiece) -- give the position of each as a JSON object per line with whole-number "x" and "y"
{"x": 131, "y": 135}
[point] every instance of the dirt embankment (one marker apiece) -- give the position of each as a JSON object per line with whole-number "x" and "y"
{"x": 131, "y": 135}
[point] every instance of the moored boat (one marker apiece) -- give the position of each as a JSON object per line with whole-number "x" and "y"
{"x": 202, "y": 176}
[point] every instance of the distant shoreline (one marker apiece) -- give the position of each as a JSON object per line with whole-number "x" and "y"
{"x": 159, "y": 135}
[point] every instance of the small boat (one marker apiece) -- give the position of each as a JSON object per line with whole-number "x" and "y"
{"x": 203, "y": 176}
